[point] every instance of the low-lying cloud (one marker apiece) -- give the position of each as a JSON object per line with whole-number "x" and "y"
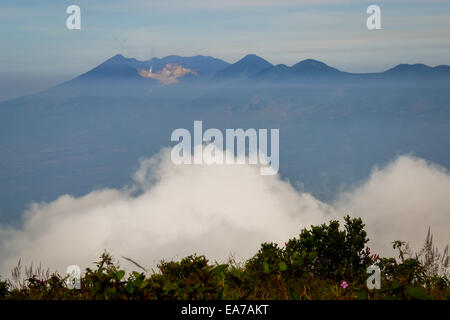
{"x": 218, "y": 210}
{"x": 400, "y": 202}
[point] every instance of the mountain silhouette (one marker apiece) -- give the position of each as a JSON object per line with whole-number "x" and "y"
{"x": 205, "y": 66}
{"x": 122, "y": 69}
{"x": 91, "y": 131}
{"x": 249, "y": 65}
{"x": 116, "y": 67}
{"x": 313, "y": 67}
{"x": 307, "y": 68}
{"x": 418, "y": 70}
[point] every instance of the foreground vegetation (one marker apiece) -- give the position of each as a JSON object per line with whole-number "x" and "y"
{"x": 324, "y": 262}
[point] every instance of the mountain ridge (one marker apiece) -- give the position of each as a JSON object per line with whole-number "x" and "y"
{"x": 250, "y": 67}
{"x": 127, "y": 71}
{"x": 244, "y": 68}
{"x": 71, "y": 139}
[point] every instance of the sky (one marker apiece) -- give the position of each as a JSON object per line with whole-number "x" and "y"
{"x": 38, "y": 51}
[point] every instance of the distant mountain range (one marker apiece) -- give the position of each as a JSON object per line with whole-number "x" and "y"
{"x": 89, "y": 132}
{"x": 120, "y": 68}
{"x": 250, "y": 67}
{"x": 243, "y": 69}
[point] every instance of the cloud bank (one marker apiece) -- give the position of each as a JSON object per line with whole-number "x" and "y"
{"x": 400, "y": 202}
{"x": 218, "y": 210}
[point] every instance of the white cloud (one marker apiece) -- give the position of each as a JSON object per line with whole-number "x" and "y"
{"x": 218, "y": 210}
{"x": 212, "y": 210}
{"x": 400, "y": 202}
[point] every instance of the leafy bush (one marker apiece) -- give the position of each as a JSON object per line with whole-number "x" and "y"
{"x": 338, "y": 254}
{"x": 324, "y": 262}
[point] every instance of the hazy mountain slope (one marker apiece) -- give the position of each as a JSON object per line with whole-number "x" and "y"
{"x": 205, "y": 66}
{"x": 249, "y": 65}
{"x": 90, "y": 134}
{"x": 126, "y": 70}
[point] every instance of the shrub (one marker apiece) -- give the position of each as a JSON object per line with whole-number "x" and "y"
{"x": 324, "y": 262}
{"x": 338, "y": 254}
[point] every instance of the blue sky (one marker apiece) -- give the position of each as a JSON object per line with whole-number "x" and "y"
{"x": 37, "y": 51}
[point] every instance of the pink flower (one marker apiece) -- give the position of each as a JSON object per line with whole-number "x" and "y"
{"x": 375, "y": 257}
{"x": 344, "y": 284}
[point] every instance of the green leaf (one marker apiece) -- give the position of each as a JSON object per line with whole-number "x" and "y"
{"x": 168, "y": 286}
{"x": 111, "y": 291}
{"x": 294, "y": 295}
{"x": 144, "y": 284}
{"x": 298, "y": 262}
{"x": 120, "y": 274}
{"x": 362, "y": 295}
{"x": 416, "y": 292}
{"x": 266, "y": 267}
{"x": 409, "y": 262}
{"x": 219, "y": 269}
{"x": 312, "y": 256}
{"x": 283, "y": 266}
{"x": 395, "y": 285}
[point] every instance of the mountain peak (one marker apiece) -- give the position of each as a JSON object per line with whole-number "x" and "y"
{"x": 311, "y": 66}
{"x": 311, "y": 62}
{"x": 255, "y": 59}
{"x": 119, "y": 57}
{"x": 249, "y": 65}
{"x": 252, "y": 56}
{"x": 418, "y": 70}
{"x": 120, "y": 68}
{"x": 410, "y": 69}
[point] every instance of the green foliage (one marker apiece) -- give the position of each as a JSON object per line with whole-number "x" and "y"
{"x": 191, "y": 278}
{"x": 339, "y": 254}
{"x": 324, "y": 262}
{"x": 4, "y": 289}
